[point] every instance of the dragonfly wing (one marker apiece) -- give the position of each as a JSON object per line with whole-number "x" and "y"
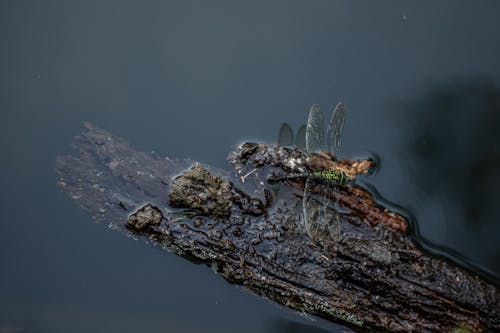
{"x": 335, "y": 128}
{"x": 331, "y": 215}
{"x": 285, "y": 137}
{"x": 321, "y": 218}
{"x": 332, "y": 218}
{"x": 311, "y": 210}
{"x": 300, "y": 138}
{"x": 314, "y": 130}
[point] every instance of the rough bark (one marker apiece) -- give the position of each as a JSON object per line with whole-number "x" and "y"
{"x": 251, "y": 232}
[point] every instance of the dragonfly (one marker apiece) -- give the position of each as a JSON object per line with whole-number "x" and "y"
{"x": 320, "y": 218}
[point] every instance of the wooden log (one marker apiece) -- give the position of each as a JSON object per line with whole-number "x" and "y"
{"x": 251, "y": 232}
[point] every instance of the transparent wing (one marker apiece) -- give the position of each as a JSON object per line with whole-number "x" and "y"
{"x": 335, "y": 128}
{"x": 285, "y": 137}
{"x": 300, "y": 138}
{"x": 334, "y": 229}
{"x": 311, "y": 210}
{"x": 332, "y": 219}
{"x": 321, "y": 219}
{"x": 314, "y": 130}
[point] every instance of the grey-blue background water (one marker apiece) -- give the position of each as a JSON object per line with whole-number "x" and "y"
{"x": 193, "y": 79}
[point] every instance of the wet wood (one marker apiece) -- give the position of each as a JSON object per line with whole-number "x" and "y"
{"x": 374, "y": 279}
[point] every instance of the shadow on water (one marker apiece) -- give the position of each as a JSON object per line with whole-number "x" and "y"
{"x": 453, "y": 151}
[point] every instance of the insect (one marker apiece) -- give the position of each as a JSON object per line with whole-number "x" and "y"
{"x": 320, "y": 218}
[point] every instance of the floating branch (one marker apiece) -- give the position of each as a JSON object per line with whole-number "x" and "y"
{"x": 251, "y": 232}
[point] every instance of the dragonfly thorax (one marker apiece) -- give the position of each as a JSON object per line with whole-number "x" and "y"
{"x": 337, "y": 177}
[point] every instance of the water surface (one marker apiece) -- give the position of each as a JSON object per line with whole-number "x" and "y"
{"x": 193, "y": 79}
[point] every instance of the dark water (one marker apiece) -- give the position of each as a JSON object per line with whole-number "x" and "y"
{"x": 192, "y": 79}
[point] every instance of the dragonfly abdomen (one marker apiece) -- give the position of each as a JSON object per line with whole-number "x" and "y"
{"x": 332, "y": 176}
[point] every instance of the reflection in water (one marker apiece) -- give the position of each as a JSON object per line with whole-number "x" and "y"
{"x": 455, "y": 154}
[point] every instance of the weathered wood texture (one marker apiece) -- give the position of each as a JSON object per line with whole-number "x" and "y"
{"x": 375, "y": 279}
